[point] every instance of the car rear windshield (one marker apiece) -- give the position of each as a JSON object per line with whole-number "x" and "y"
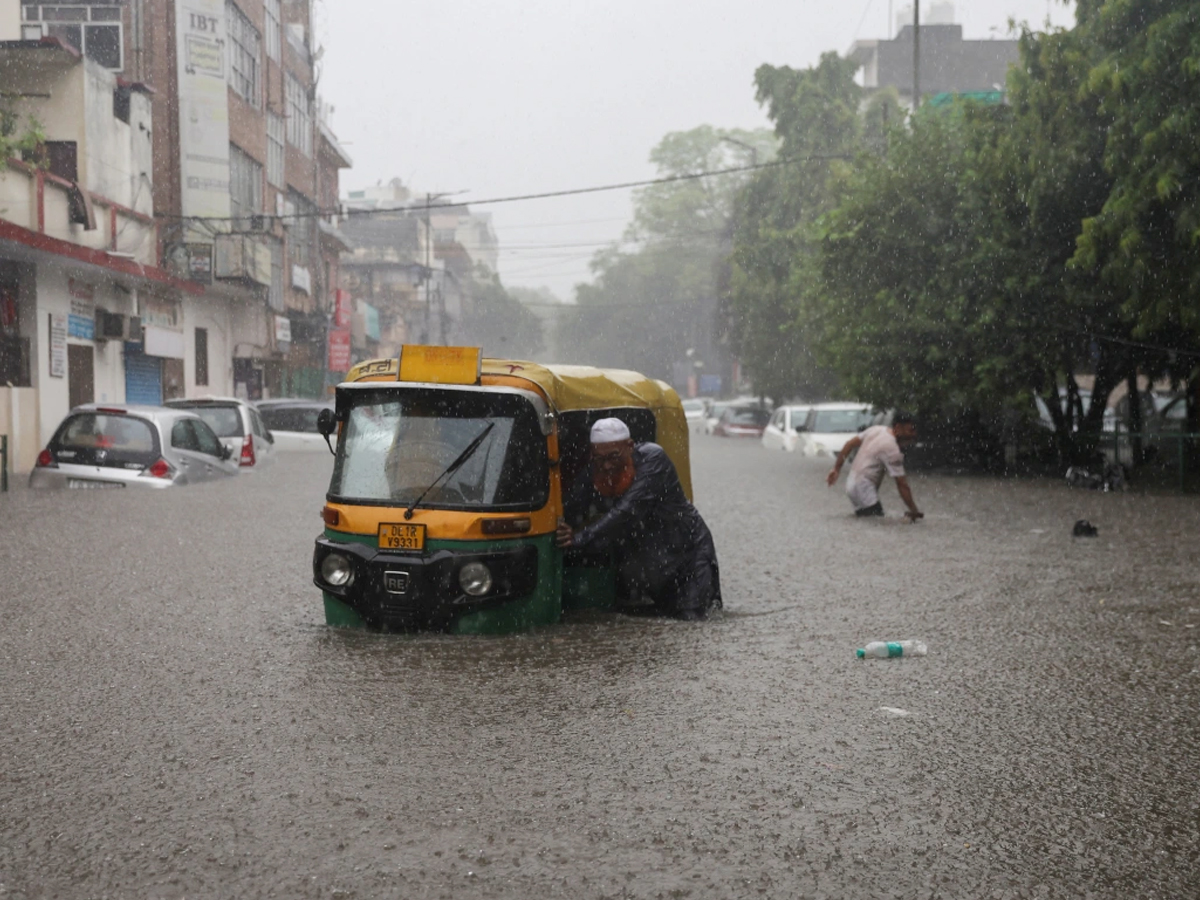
{"x": 292, "y": 418}
{"x": 840, "y": 421}
{"x": 394, "y": 445}
{"x": 111, "y": 439}
{"x": 226, "y": 421}
{"x": 752, "y": 417}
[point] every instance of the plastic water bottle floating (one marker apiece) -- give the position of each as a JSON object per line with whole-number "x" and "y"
{"x": 888, "y": 649}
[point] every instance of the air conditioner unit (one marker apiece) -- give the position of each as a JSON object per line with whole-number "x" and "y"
{"x": 260, "y": 223}
{"x": 134, "y": 329}
{"x": 242, "y": 257}
{"x": 109, "y": 326}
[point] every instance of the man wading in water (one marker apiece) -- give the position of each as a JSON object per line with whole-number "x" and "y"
{"x": 879, "y": 451}
{"x": 636, "y": 509}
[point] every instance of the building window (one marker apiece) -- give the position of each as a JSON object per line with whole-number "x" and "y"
{"x": 299, "y": 115}
{"x": 245, "y": 188}
{"x": 245, "y": 53}
{"x": 275, "y": 150}
{"x": 201, "y": 357}
{"x": 301, "y": 228}
{"x": 94, "y": 30}
{"x": 273, "y": 20}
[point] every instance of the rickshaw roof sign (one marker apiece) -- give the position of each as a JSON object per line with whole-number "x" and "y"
{"x": 440, "y": 365}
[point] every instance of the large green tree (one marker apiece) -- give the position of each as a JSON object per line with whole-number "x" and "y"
{"x": 815, "y": 112}
{"x": 653, "y": 304}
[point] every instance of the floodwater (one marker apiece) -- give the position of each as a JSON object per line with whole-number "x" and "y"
{"x": 177, "y": 721}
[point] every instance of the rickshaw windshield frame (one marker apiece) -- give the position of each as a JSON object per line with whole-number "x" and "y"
{"x": 396, "y": 438}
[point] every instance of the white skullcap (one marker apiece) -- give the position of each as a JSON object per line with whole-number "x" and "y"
{"x": 608, "y": 431}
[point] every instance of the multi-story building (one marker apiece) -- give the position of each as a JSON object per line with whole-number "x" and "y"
{"x": 413, "y": 262}
{"x": 240, "y": 161}
{"x": 86, "y": 313}
{"x": 948, "y": 64}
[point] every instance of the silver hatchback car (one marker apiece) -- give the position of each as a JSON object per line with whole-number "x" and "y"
{"x": 117, "y": 446}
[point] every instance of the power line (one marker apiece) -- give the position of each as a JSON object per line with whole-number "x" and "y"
{"x": 572, "y": 192}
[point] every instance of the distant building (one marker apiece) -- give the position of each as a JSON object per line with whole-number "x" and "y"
{"x": 412, "y": 261}
{"x": 948, "y": 64}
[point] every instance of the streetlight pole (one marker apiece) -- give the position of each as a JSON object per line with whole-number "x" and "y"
{"x": 916, "y": 54}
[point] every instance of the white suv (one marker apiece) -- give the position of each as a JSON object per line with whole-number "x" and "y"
{"x": 237, "y": 424}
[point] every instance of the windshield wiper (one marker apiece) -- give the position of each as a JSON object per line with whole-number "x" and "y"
{"x": 452, "y": 468}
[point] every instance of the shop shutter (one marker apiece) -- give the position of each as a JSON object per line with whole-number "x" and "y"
{"x": 143, "y": 377}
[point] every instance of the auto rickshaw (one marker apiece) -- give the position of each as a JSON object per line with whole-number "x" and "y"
{"x": 448, "y": 483}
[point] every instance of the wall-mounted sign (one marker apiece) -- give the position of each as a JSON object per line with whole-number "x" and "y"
{"x": 160, "y": 311}
{"x": 343, "y": 309}
{"x": 200, "y": 263}
{"x": 81, "y": 323}
{"x": 283, "y": 330}
{"x": 339, "y": 350}
{"x": 162, "y": 342}
{"x": 58, "y": 345}
{"x": 301, "y": 280}
{"x": 203, "y": 108}
{"x": 80, "y": 290}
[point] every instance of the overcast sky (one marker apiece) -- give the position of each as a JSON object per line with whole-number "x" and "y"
{"x": 504, "y": 97}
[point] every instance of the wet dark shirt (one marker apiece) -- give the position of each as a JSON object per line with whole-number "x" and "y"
{"x": 653, "y": 518}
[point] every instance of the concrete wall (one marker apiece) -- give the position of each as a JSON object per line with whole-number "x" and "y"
{"x": 10, "y": 20}
{"x": 53, "y": 296}
{"x": 213, "y": 315}
{"x": 19, "y": 420}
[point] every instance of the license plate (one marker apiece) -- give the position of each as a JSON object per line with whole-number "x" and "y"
{"x": 401, "y": 537}
{"x": 395, "y": 582}
{"x": 84, "y": 485}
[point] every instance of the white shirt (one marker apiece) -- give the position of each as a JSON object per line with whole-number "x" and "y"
{"x": 878, "y": 454}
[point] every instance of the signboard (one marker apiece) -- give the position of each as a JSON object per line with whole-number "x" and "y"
{"x": 343, "y": 309}
{"x": 203, "y": 109}
{"x": 81, "y": 322}
{"x": 160, "y": 312}
{"x": 710, "y": 385}
{"x": 370, "y": 321}
{"x": 200, "y": 263}
{"x": 339, "y": 350}
{"x": 301, "y": 280}
{"x": 283, "y": 330}
{"x": 58, "y": 345}
{"x": 162, "y": 342}
{"x": 440, "y": 365}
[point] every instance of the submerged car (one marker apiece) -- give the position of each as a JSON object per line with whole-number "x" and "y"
{"x": 830, "y": 425}
{"x": 293, "y": 424}
{"x": 238, "y": 424}
{"x": 784, "y": 429}
{"x": 696, "y": 412}
{"x": 741, "y": 421}
{"x": 118, "y": 446}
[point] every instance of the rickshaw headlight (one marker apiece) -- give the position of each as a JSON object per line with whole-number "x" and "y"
{"x": 475, "y": 579}
{"x": 336, "y": 570}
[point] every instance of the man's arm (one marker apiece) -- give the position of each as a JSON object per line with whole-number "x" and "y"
{"x": 850, "y": 446}
{"x": 906, "y": 495}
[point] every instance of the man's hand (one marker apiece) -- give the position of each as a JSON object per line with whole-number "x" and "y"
{"x": 832, "y": 477}
{"x": 564, "y": 536}
{"x": 913, "y": 514}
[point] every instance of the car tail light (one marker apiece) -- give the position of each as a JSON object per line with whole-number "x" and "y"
{"x": 159, "y": 469}
{"x": 247, "y": 451}
{"x": 45, "y": 460}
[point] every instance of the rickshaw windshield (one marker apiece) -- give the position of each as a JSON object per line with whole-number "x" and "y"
{"x": 395, "y": 444}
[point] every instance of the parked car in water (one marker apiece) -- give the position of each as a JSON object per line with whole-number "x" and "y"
{"x": 695, "y": 411}
{"x": 293, "y": 424}
{"x": 742, "y": 421}
{"x": 121, "y": 445}
{"x": 784, "y": 429}
{"x": 715, "y": 409}
{"x": 239, "y": 426}
{"x": 830, "y": 425}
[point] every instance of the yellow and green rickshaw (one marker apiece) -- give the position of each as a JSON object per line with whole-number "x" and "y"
{"x": 448, "y": 484}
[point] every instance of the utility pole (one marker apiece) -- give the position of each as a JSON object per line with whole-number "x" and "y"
{"x": 916, "y": 54}
{"x": 428, "y": 271}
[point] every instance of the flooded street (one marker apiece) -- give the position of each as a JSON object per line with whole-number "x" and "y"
{"x": 179, "y": 721}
